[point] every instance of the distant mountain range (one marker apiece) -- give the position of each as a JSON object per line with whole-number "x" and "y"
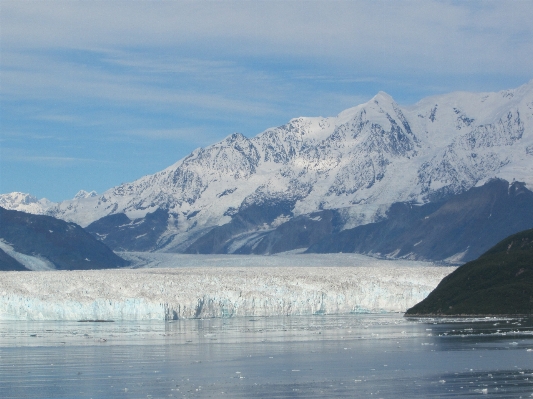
{"x": 360, "y": 181}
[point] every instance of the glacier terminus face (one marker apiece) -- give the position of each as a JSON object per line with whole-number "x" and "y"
{"x": 205, "y": 292}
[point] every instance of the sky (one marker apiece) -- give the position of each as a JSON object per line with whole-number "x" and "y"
{"x": 94, "y": 93}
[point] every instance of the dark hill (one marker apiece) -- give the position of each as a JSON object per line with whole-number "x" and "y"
{"x": 7, "y": 263}
{"x": 458, "y": 229}
{"x": 66, "y": 245}
{"x": 248, "y": 218}
{"x": 500, "y": 282}
{"x": 120, "y": 233}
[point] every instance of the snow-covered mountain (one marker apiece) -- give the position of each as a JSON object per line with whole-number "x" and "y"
{"x": 84, "y": 194}
{"x": 25, "y": 203}
{"x": 358, "y": 163}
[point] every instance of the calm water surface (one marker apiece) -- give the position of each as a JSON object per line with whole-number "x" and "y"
{"x": 351, "y": 356}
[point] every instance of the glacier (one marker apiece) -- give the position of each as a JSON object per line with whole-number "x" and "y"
{"x": 216, "y": 291}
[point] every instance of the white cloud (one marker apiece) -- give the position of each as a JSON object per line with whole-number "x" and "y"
{"x": 45, "y": 76}
{"x": 214, "y": 56}
{"x": 449, "y": 36}
{"x": 197, "y": 135}
{"x": 18, "y": 156}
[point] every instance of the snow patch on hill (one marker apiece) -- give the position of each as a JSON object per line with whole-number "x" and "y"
{"x": 28, "y": 261}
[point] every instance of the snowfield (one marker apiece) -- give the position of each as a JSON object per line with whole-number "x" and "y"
{"x": 216, "y": 291}
{"x": 283, "y": 259}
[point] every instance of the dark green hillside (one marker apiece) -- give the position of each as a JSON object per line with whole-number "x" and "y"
{"x": 499, "y": 282}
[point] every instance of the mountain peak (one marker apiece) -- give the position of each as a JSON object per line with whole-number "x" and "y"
{"x": 360, "y": 161}
{"x": 84, "y": 194}
{"x": 22, "y": 198}
{"x": 382, "y": 97}
{"x": 234, "y": 137}
{"x": 24, "y": 202}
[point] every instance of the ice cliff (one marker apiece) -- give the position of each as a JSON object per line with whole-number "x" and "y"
{"x": 201, "y": 292}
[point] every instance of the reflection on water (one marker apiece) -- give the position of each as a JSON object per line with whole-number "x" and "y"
{"x": 382, "y": 356}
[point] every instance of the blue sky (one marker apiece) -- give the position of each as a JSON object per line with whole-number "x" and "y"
{"x": 93, "y": 94}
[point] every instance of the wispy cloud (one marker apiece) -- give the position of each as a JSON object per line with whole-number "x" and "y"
{"x": 11, "y": 135}
{"x": 45, "y": 77}
{"x": 197, "y": 135}
{"x": 58, "y": 118}
{"x": 248, "y": 57}
{"x": 13, "y": 156}
{"x": 417, "y": 35}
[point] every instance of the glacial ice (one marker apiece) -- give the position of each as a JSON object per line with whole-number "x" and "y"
{"x": 204, "y": 292}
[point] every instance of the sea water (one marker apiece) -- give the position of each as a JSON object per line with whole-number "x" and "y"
{"x": 348, "y": 356}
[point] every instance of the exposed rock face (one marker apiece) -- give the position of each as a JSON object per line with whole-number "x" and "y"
{"x": 122, "y": 234}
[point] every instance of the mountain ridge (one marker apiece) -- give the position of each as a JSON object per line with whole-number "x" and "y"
{"x": 358, "y": 163}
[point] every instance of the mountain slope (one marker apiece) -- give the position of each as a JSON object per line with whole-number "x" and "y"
{"x": 8, "y": 263}
{"x": 358, "y": 163}
{"x": 53, "y": 242}
{"x": 122, "y": 234}
{"x": 464, "y": 226}
{"x": 500, "y": 282}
